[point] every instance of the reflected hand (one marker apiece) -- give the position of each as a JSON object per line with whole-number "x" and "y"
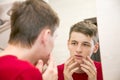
{"x": 70, "y": 68}
{"x": 89, "y": 68}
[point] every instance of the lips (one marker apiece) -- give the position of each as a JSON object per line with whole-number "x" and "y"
{"x": 78, "y": 57}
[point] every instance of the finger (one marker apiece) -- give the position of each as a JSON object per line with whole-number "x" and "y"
{"x": 86, "y": 71}
{"x": 91, "y": 70}
{"x": 69, "y": 61}
{"x": 51, "y": 68}
{"x": 90, "y": 60}
{"x": 55, "y": 69}
{"x": 51, "y": 65}
{"x": 50, "y": 62}
{"x": 72, "y": 66}
{"x": 44, "y": 68}
{"x": 39, "y": 65}
{"x": 88, "y": 63}
{"x": 92, "y": 76}
{"x": 74, "y": 70}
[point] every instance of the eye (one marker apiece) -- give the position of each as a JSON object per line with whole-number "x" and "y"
{"x": 86, "y": 44}
{"x": 74, "y": 43}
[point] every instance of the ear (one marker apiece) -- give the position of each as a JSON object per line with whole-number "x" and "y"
{"x": 44, "y": 36}
{"x": 96, "y": 46}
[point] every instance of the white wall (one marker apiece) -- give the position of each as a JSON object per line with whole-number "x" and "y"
{"x": 4, "y": 7}
{"x": 109, "y": 35}
{"x": 70, "y": 12}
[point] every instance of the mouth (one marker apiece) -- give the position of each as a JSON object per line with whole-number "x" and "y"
{"x": 79, "y": 57}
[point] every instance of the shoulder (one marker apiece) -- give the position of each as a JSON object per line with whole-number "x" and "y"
{"x": 28, "y": 71}
{"x": 60, "y": 67}
{"x": 30, "y": 74}
{"x": 60, "y": 72}
{"x": 98, "y": 67}
{"x": 97, "y": 64}
{"x": 18, "y": 69}
{"x": 99, "y": 70}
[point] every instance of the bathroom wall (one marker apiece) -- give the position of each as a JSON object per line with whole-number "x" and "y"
{"x": 108, "y": 13}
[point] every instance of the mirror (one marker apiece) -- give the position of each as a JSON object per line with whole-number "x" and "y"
{"x": 71, "y": 12}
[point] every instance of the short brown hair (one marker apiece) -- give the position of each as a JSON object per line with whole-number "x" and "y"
{"x": 28, "y": 19}
{"x": 86, "y": 28}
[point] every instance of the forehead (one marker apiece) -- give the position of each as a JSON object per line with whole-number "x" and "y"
{"x": 80, "y": 37}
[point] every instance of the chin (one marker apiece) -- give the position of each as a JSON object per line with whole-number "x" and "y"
{"x": 46, "y": 58}
{"x": 46, "y": 61}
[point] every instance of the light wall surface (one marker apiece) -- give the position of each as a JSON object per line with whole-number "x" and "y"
{"x": 108, "y": 13}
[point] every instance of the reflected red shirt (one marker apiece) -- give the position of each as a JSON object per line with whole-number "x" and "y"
{"x": 80, "y": 76}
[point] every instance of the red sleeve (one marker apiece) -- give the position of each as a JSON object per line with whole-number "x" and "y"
{"x": 60, "y": 72}
{"x": 99, "y": 71}
{"x": 30, "y": 74}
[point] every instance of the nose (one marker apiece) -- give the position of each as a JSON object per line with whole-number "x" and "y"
{"x": 79, "y": 49}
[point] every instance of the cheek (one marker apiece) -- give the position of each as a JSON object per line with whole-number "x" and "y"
{"x": 52, "y": 43}
{"x": 88, "y": 52}
{"x": 72, "y": 50}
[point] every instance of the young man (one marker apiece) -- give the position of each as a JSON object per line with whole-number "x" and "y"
{"x": 31, "y": 41}
{"x": 81, "y": 44}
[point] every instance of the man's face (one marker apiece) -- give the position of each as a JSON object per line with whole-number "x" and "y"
{"x": 49, "y": 46}
{"x": 80, "y": 46}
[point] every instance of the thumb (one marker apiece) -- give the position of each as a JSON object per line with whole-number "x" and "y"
{"x": 39, "y": 65}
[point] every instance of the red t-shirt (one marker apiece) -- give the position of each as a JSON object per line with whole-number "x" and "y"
{"x": 80, "y": 76}
{"x": 12, "y": 68}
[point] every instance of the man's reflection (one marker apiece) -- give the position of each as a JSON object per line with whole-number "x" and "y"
{"x": 82, "y": 43}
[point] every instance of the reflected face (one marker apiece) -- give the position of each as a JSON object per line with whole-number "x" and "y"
{"x": 80, "y": 46}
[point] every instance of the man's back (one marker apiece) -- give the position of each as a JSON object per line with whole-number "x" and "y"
{"x": 11, "y": 68}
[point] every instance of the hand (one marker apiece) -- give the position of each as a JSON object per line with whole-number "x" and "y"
{"x": 89, "y": 68}
{"x": 70, "y": 68}
{"x": 51, "y": 72}
{"x": 40, "y": 65}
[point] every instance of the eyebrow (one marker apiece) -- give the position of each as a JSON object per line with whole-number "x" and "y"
{"x": 82, "y": 42}
{"x": 86, "y": 42}
{"x": 73, "y": 41}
